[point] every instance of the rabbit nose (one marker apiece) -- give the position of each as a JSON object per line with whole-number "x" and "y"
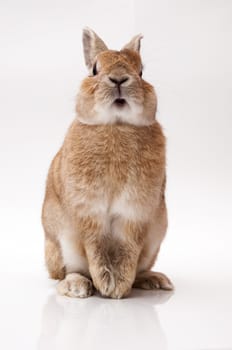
{"x": 117, "y": 81}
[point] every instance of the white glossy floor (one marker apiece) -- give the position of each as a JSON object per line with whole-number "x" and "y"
{"x": 198, "y": 316}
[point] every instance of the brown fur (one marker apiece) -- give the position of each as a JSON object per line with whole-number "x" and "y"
{"x": 100, "y": 168}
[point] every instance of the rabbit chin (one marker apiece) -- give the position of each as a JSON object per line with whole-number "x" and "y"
{"x": 130, "y": 113}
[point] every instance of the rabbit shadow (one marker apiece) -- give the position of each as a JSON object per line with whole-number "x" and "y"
{"x": 97, "y": 322}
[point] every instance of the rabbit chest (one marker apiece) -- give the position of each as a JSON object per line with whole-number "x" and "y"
{"x": 113, "y": 169}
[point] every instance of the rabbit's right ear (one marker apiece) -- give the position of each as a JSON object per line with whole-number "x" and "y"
{"x": 92, "y": 45}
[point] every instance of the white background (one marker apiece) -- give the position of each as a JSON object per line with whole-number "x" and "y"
{"x": 187, "y": 56}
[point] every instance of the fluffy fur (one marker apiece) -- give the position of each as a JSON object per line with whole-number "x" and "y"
{"x": 104, "y": 213}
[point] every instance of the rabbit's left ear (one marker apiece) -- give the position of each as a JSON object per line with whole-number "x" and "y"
{"x": 134, "y": 44}
{"x": 92, "y": 45}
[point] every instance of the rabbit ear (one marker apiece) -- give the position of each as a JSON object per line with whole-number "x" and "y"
{"x": 134, "y": 44}
{"x": 92, "y": 45}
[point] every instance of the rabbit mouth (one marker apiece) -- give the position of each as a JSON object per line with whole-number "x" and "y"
{"x": 120, "y": 102}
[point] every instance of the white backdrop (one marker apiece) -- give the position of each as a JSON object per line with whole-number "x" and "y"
{"x": 187, "y": 56}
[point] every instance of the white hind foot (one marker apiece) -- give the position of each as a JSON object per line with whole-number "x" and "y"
{"x": 76, "y": 286}
{"x": 152, "y": 280}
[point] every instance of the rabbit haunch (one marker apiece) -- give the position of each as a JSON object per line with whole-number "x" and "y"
{"x": 104, "y": 213}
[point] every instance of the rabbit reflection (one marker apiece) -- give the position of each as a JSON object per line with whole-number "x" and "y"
{"x": 95, "y": 322}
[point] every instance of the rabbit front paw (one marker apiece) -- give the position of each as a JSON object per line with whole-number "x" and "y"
{"x": 110, "y": 285}
{"x": 121, "y": 290}
{"x": 104, "y": 281}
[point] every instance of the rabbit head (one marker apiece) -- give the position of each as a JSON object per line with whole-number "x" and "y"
{"x": 114, "y": 91}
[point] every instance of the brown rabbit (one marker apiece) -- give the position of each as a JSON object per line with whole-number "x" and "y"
{"x": 104, "y": 213}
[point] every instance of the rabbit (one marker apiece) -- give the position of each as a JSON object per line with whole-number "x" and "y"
{"x": 104, "y": 212}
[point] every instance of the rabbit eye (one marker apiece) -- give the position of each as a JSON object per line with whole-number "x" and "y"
{"x": 95, "y": 68}
{"x": 141, "y": 74}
